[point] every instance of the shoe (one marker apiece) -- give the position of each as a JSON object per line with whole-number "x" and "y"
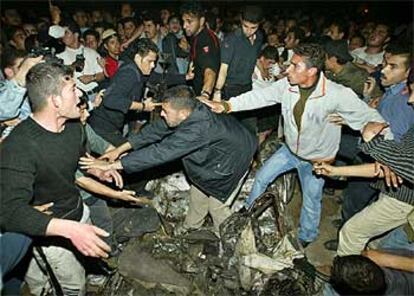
{"x": 304, "y": 244}
{"x": 331, "y": 245}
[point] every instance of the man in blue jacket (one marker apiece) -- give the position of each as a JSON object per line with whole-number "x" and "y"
{"x": 216, "y": 151}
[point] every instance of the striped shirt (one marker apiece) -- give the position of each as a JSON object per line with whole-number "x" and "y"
{"x": 399, "y": 157}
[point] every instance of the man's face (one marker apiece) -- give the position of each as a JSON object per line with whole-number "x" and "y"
{"x": 334, "y": 33}
{"x": 97, "y": 16}
{"x": 146, "y": 63}
{"x": 297, "y": 70}
{"x": 81, "y": 18}
{"x": 249, "y": 29}
{"x": 84, "y": 114}
{"x": 150, "y": 29}
{"x": 29, "y": 29}
{"x": 329, "y": 62}
{"x": 192, "y": 24}
{"x": 126, "y": 10}
{"x": 69, "y": 99}
{"x": 113, "y": 46}
{"x": 129, "y": 29}
{"x": 18, "y": 39}
{"x": 273, "y": 40}
{"x": 290, "y": 41}
{"x": 267, "y": 63}
{"x": 174, "y": 26}
{"x": 91, "y": 42}
{"x": 379, "y": 36}
{"x": 172, "y": 117}
{"x": 69, "y": 39}
{"x": 355, "y": 43}
{"x": 164, "y": 15}
{"x": 12, "y": 17}
{"x": 394, "y": 70}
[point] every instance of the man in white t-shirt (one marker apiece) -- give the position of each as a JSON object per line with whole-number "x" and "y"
{"x": 370, "y": 56}
{"x": 87, "y": 73}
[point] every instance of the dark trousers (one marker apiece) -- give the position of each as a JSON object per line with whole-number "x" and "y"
{"x": 356, "y": 196}
{"x": 247, "y": 118}
{"x": 13, "y": 248}
{"x": 101, "y": 217}
{"x": 358, "y": 192}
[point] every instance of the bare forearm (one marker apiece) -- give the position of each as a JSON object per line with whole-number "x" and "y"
{"x": 136, "y": 106}
{"x": 110, "y": 147}
{"x": 96, "y": 187}
{"x": 363, "y": 170}
{"x": 222, "y": 76}
{"x": 391, "y": 261}
{"x": 209, "y": 80}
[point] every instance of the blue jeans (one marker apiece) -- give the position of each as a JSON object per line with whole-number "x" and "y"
{"x": 13, "y": 247}
{"x": 280, "y": 162}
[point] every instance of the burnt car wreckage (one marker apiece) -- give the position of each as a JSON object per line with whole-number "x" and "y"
{"x": 257, "y": 254}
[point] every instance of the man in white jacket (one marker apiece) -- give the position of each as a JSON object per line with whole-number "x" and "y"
{"x": 309, "y": 103}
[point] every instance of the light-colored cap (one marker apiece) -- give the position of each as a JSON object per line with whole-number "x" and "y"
{"x": 108, "y": 33}
{"x": 56, "y": 31}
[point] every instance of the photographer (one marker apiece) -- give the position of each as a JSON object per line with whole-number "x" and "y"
{"x": 14, "y": 106}
{"x": 84, "y": 60}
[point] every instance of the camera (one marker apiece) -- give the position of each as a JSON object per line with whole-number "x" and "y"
{"x": 156, "y": 91}
{"x": 79, "y": 62}
{"x": 48, "y": 54}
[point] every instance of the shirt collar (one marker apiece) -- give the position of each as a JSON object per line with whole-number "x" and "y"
{"x": 396, "y": 89}
{"x": 319, "y": 91}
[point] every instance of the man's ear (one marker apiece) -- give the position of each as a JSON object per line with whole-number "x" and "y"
{"x": 312, "y": 71}
{"x": 55, "y": 100}
{"x": 9, "y": 73}
{"x": 202, "y": 21}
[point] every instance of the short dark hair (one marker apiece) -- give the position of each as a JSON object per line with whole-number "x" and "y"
{"x": 180, "y": 97}
{"x": 11, "y": 30}
{"x": 141, "y": 46}
{"x": 152, "y": 16}
{"x": 359, "y": 36}
{"x": 401, "y": 48}
{"x": 342, "y": 27}
{"x": 270, "y": 52}
{"x": 193, "y": 8}
{"x": 91, "y": 32}
{"x": 10, "y": 55}
{"x": 357, "y": 275}
{"x": 72, "y": 26}
{"x": 128, "y": 19}
{"x": 252, "y": 14}
{"x": 313, "y": 53}
{"x": 44, "y": 80}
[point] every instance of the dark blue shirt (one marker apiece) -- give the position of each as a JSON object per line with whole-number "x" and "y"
{"x": 396, "y": 110}
{"x": 240, "y": 55}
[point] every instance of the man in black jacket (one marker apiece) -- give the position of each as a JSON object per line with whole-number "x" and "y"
{"x": 216, "y": 151}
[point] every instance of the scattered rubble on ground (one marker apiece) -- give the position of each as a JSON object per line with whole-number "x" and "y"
{"x": 257, "y": 254}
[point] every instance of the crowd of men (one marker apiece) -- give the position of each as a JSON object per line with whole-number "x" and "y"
{"x": 207, "y": 88}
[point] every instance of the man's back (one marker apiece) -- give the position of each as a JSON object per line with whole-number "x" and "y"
{"x": 38, "y": 167}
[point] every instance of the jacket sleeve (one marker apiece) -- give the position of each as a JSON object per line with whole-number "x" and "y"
{"x": 399, "y": 157}
{"x": 11, "y": 98}
{"x": 96, "y": 142}
{"x": 118, "y": 95}
{"x": 354, "y": 111}
{"x": 151, "y": 133}
{"x": 17, "y": 181}
{"x": 260, "y": 97}
{"x": 182, "y": 142}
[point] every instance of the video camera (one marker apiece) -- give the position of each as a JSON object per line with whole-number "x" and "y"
{"x": 156, "y": 90}
{"x": 48, "y": 53}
